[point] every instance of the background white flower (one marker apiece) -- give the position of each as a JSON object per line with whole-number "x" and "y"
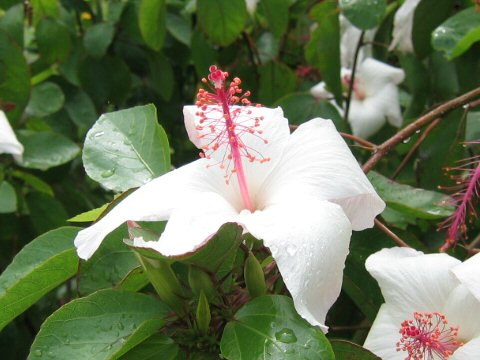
{"x": 8, "y": 141}
{"x": 306, "y": 200}
{"x": 413, "y": 282}
{"x": 251, "y": 6}
{"x": 349, "y": 36}
{"x": 375, "y": 98}
{"x": 402, "y": 27}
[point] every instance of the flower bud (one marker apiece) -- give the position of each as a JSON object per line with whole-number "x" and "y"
{"x": 200, "y": 281}
{"x": 254, "y": 277}
{"x": 203, "y": 315}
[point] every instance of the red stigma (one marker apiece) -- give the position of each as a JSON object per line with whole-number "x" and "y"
{"x": 428, "y": 337}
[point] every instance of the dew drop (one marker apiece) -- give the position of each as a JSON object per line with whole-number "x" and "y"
{"x": 38, "y": 353}
{"x": 107, "y": 173}
{"x": 286, "y": 336}
{"x": 51, "y": 355}
{"x": 291, "y": 249}
{"x": 405, "y": 141}
{"x": 98, "y": 134}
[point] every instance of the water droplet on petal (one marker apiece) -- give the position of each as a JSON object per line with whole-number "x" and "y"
{"x": 291, "y": 249}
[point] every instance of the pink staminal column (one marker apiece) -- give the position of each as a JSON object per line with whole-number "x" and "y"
{"x": 222, "y": 126}
{"x": 427, "y": 337}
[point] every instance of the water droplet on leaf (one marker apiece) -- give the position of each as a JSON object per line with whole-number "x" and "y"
{"x": 107, "y": 173}
{"x": 286, "y": 336}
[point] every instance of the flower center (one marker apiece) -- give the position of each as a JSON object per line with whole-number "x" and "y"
{"x": 358, "y": 93}
{"x": 428, "y": 337}
{"x": 222, "y": 126}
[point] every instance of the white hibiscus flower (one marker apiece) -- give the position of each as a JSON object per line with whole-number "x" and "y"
{"x": 432, "y": 306}
{"x": 402, "y": 27}
{"x": 8, "y": 141}
{"x": 300, "y": 193}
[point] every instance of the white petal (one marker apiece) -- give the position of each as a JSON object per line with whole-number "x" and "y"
{"x": 9, "y": 143}
{"x": 463, "y": 310}
{"x": 374, "y": 74}
{"x": 152, "y": 202}
{"x": 383, "y": 336}
{"x": 469, "y": 351}
{"x": 320, "y": 91}
{"x": 251, "y": 6}
{"x": 390, "y": 101}
{"x": 366, "y": 117}
{"x": 469, "y": 274}
{"x": 318, "y": 164}
{"x": 411, "y": 280}
{"x": 275, "y": 131}
{"x": 402, "y": 26}
{"x": 191, "y": 224}
{"x": 309, "y": 241}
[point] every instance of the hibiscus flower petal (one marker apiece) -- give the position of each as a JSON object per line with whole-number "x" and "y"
{"x": 367, "y": 116}
{"x": 375, "y": 74}
{"x": 267, "y": 145}
{"x": 318, "y": 164}
{"x": 383, "y": 335}
{"x": 469, "y": 274}
{"x": 411, "y": 280}
{"x": 402, "y": 26}
{"x": 458, "y": 309}
{"x": 152, "y": 202}
{"x": 309, "y": 242}
{"x": 8, "y": 141}
{"x": 191, "y": 224}
{"x": 470, "y": 350}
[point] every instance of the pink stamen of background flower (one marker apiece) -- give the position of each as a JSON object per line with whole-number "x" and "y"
{"x": 465, "y": 198}
{"x": 222, "y": 125}
{"x": 428, "y": 337}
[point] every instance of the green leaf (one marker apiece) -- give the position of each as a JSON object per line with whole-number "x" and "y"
{"x": 346, "y": 350}
{"x": 268, "y": 327}
{"x": 458, "y": 33}
{"x": 44, "y": 150}
{"x": 424, "y": 204}
{"x": 126, "y": 148}
{"x": 428, "y": 15}
{"x": 47, "y": 98}
{"x": 301, "y": 107}
{"x": 210, "y": 256}
{"x": 90, "y": 215}
{"x": 46, "y": 212}
{"x": 98, "y": 38}
{"x": 101, "y": 326}
{"x": 109, "y": 265}
{"x": 81, "y": 109}
{"x": 161, "y": 75}
{"x": 276, "y": 80}
{"x": 203, "y": 53}
{"x": 12, "y": 23}
{"x": 276, "y": 13}
{"x": 39, "y": 267}
{"x": 105, "y": 80}
{"x": 8, "y": 198}
{"x": 151, "y": 20}
{"x": 418, "y": 82}
{"x": 33, "y": 181}
{"x": 53, "y": 40}
{"x": 156, "y": 347}
{"x": 135, "y": 280}
{"x": 364, "y": 14}
{"x": 43, "y": 8}
{"x": 323, "y": 49}
{"x": 223, "y": 21}
{"x": 179, "y": 28}
{"x": 14, "y": 76}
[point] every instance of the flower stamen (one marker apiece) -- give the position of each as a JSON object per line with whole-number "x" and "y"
{"x": 428, "y": 337}
{"x": 223, "y": 124}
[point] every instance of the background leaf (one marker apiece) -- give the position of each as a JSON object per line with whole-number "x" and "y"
{"x": 364, "y": 14}
{"x": 151, "y": 19}
{"x": 345, "y": 350}
{"x": 41, "y": 266}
